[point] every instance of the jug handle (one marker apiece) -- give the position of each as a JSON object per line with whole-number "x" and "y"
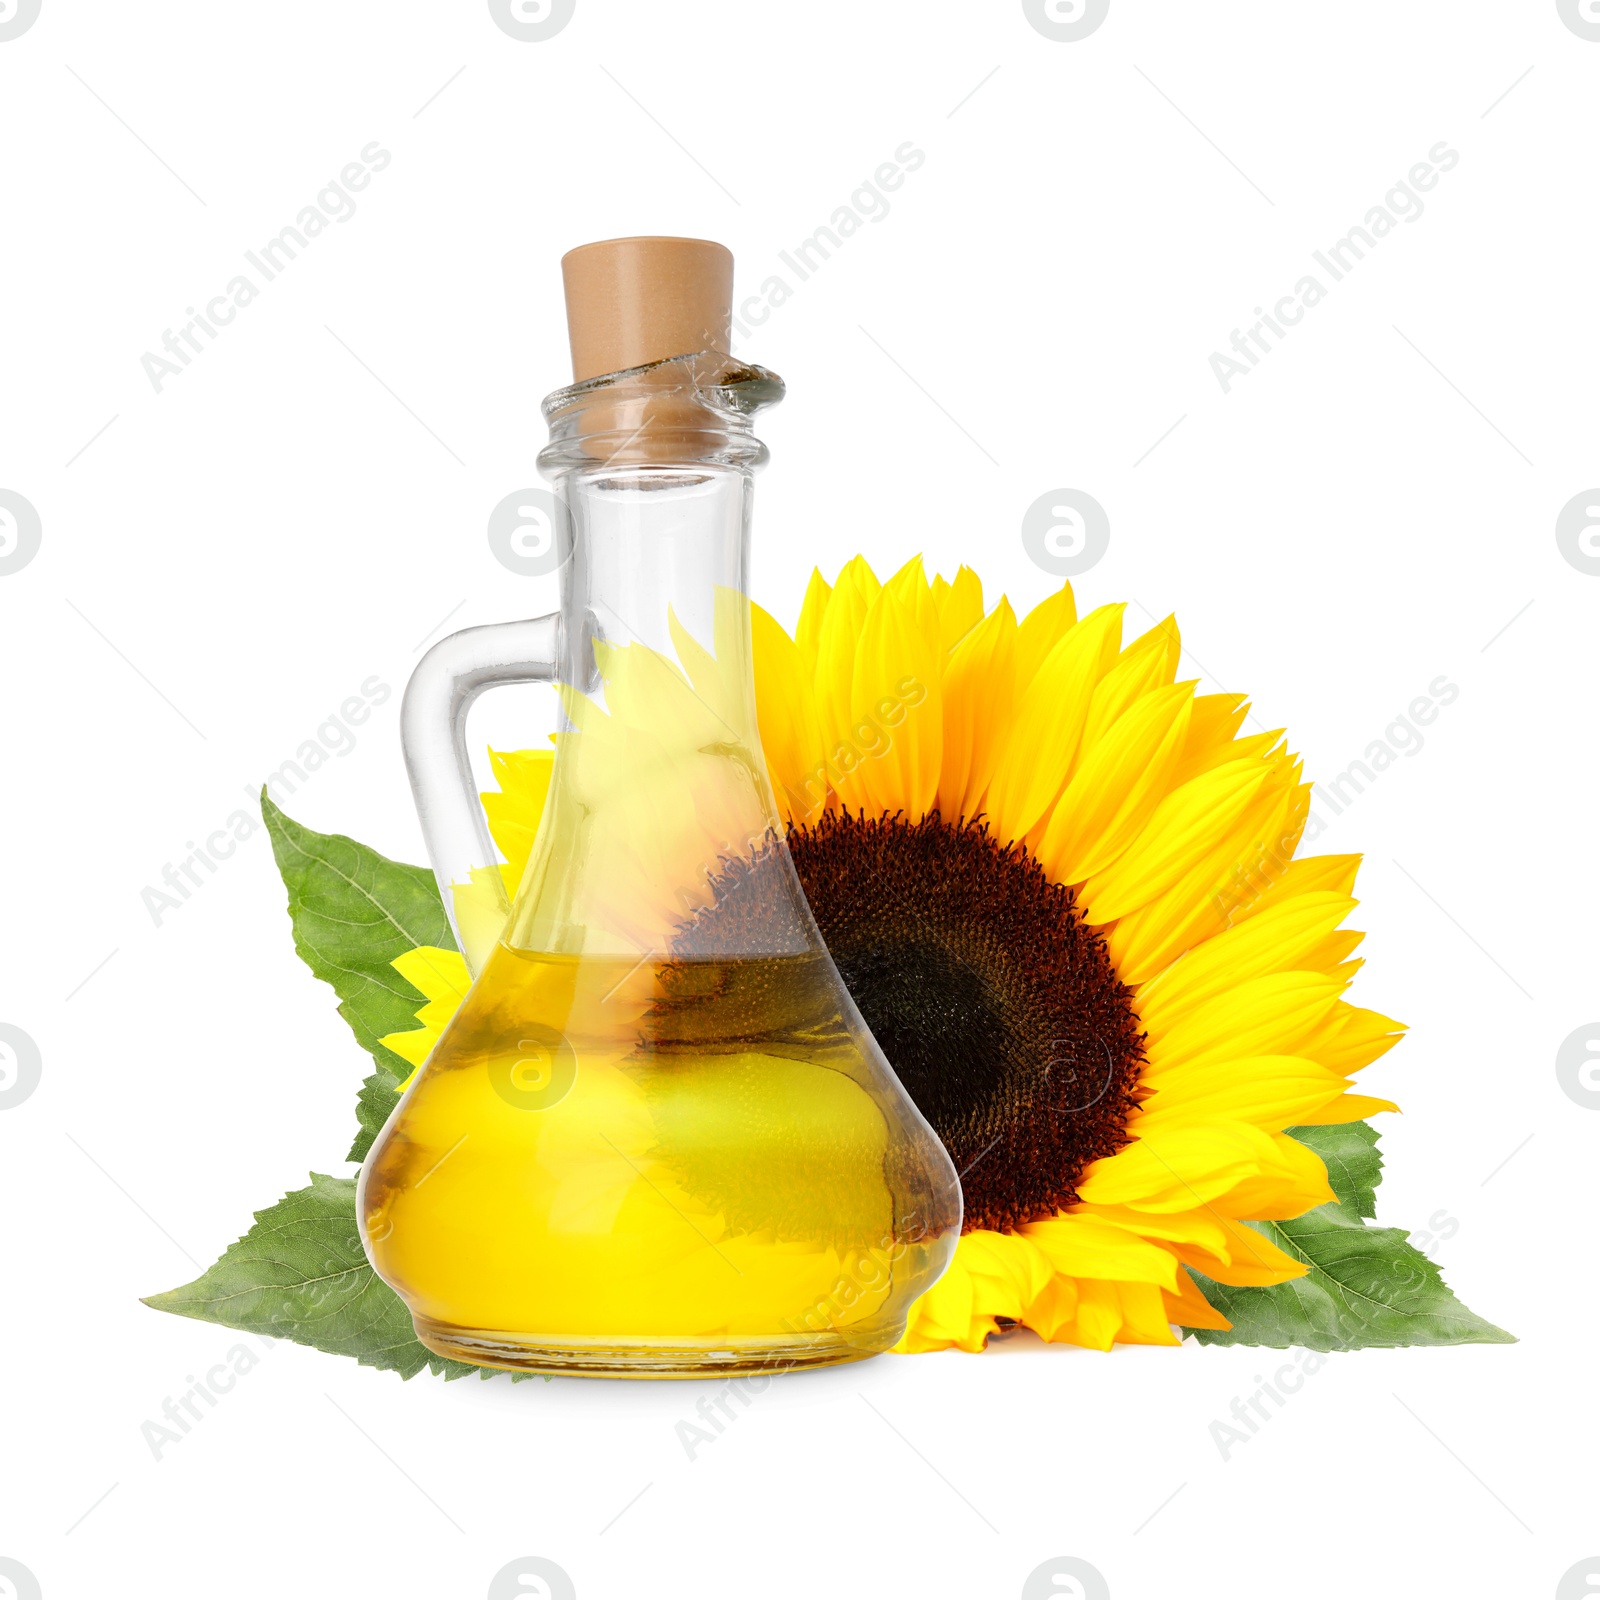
{"x": 433, "y": 728}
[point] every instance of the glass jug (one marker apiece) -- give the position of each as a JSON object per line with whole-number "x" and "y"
{"x": 657, "y": 1138}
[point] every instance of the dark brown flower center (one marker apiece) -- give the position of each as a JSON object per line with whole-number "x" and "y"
{"x": 997, "y": 1007}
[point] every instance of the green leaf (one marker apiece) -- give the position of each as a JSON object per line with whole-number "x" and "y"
{"x": 353, "y": 912}
{"x": 379, "y": 1095}
{"x": 1349, "y": 1150}
{"x": 1367, "y": 1287}
{"x": 300, "y": 1274}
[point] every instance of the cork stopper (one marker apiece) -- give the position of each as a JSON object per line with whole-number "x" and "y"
{"x": 634, "y": 301}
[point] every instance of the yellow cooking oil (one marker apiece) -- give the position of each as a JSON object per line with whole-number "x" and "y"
{"x": 699, "y": 1152}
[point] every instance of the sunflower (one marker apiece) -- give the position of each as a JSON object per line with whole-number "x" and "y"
{"x": 1062, "y": 889}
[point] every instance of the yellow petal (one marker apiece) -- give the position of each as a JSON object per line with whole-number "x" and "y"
{"x": 960, "y": 606}
{"x": 1272, "y": 1015}
{"x": 1298, "y": 1184}
{"x": 1199, "y": 1228}
{"x": 945, "y": 1311}
{"x": 1042, "y": 741}
{"x": 1117, "y": 786}
{"x": 838, "y": 637}
{"x": 1190, "y": 1309}
{"x": 996, "y": 1275}
{"x": 1201, "y": 902}
{"x": 1231, "y": 1252}
{"x": 1249, "y": 1260}
{"x": 791, "y": 731}
{"x": 1096, "y": 1314}
{"x": 1007, "y": 1270}
{"x": 1200, "y": 1164}
{"x": 1146, "y": 664}
{"x": 911, "y": 587}
{"x": 1053, "y": 1313}
{"x": 1309, "y": 872}
{"x": 1275, "y": 941}
{"x": 441, "y": 976}
{"x": 1331, "y": 954}
{"x": 977, "y": 693}
{"x": 1183, "y": 828}
{"x": 897, "y": 711}
{"x": 1254, "y": 747}
{"x": 412, "y": 1047}
{"x": 1269, "y": 1092}
{"x": 1144, "y": 1315}
{"x": 1216, "y": 720}
{"x": 482, "y": 904}
{"x": 808, "y": 631}
{"x": 1085, "y": 1246}
{"x": 1042, "y": 630}
{"x": 515, "y": 810}
{"x": 1349, "y": 1108}
{"x": 1351, "y": 1038}
{"x": 711, "y": 676}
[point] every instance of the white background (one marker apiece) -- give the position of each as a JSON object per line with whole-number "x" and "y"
{"x": 227, "y": 561}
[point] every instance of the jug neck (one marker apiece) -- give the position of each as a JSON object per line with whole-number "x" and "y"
{"x": 652, "y": 467}
{"x": 660, "y": 782}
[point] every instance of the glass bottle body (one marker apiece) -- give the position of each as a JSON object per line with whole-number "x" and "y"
{"x": 657, "y": 1138}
